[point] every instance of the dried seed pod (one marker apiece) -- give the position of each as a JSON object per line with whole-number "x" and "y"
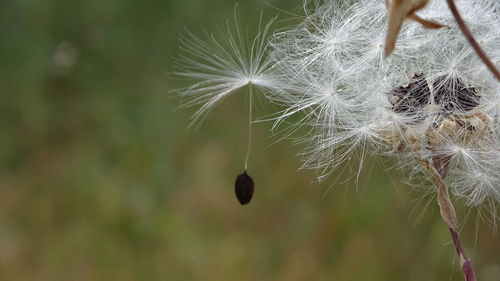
{"x": 243, "y": 188}
{"x": 454, "y": 96}
{"x": 411, "y": 99}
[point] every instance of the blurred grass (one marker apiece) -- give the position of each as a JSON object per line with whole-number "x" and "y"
{"x": 100, "y": 180}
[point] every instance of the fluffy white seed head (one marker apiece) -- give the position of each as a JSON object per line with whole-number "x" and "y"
{"x": 432, "y": 99}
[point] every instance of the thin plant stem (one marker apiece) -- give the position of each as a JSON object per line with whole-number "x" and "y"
{"x": 467, "y": 268}
{"x": 249, "y": 147}
{"x": 472, "y": 41}
{"x": 449, "y": 216}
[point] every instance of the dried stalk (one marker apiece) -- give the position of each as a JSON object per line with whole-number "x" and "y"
{"x": 472, "y": 41}
{"x": 449, "y": 216}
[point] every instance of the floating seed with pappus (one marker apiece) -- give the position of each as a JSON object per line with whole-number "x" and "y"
{"x": 243, "y": 188}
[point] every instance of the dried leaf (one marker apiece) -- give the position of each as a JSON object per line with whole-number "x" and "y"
{"x": 426, "y": 23}
{"x": 445, "y": 206}
{"x": 399, "y": 11}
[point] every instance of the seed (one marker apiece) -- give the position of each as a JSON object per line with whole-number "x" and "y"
{"x": 451, "y": 95}
{"x": 454, "y": 96}
{"x": 411, "y": 99}
{"x": 243, "y": 188}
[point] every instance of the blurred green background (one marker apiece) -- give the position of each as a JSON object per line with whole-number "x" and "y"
{"x": 101, "y": 180}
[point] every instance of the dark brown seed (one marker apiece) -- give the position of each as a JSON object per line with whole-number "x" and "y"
{"x": 454, "y": 96}
{"x": 450, "y": 94}
{"x": 411, "y": 99}
{"x": 244, "y": 188}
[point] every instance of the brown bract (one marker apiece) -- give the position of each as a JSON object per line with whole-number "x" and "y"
{"x": 399, "y": 11}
